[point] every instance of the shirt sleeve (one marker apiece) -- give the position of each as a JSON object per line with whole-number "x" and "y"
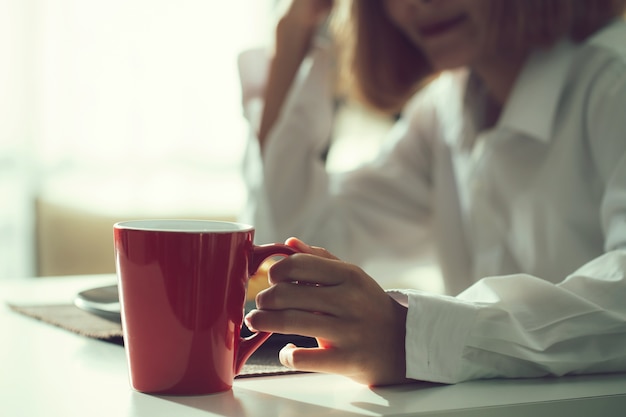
{"x": 521, "y": 326}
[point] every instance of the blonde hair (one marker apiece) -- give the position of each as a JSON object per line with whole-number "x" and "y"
{"x": 383, "y": 68}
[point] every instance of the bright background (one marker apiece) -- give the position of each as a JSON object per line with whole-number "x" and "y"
{"x": 120, "y": 109}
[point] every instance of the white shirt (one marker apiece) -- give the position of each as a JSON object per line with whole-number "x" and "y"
{"x": 528, "y": 217}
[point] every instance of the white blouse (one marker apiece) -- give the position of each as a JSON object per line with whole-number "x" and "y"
{"x": 528, "y": 217}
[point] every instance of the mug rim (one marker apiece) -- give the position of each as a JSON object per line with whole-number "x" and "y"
{"x": 183, "y": 226}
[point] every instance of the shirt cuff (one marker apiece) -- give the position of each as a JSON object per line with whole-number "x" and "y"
{"x": 437, "y": 327}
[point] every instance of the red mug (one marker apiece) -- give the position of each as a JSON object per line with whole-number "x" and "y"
{"x": 182, "y": 290}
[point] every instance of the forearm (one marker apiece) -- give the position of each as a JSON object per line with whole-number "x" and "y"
{"x": 293, "y": 40}
{"x": 293, "y": 146}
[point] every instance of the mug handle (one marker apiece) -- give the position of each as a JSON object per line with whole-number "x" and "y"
{"x": 248, "y": 345}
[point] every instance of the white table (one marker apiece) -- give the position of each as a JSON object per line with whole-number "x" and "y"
{"x": 47, "y": 371}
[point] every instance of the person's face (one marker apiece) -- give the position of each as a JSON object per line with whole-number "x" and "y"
{"x": 451, "y": 33}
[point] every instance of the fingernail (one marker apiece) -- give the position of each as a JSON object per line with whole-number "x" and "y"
{"x": 285, "y": 357}
{"x": 248, "y": 325}
{"x": 298, "y": 244}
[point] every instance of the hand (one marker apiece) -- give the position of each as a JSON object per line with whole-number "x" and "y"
{"x": 306, "y": 14}
{"x": 360, "y": 329}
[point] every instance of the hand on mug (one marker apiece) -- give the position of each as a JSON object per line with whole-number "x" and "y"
{"x": 359, "y": 328}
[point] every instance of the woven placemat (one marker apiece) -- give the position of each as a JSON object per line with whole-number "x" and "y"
{"x": 263, "y": 362}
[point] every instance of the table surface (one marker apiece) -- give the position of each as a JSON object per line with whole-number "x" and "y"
{"x": 48, "y": 371}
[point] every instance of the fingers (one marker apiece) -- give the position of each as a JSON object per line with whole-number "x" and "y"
{"x": 299, "y": 322}
{"x": 306, "y": 297}
{"x": 326, "y": 360}
{"x": 374, "y": 357}
{"x": 305, "y": 267}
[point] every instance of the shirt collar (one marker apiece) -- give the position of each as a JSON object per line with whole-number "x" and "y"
{"x": 533, "y": 102}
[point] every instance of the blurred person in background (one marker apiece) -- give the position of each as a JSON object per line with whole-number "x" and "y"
{"x": 509, "y": 158}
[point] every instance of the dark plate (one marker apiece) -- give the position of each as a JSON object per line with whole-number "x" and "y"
{"x": 104, "y": 302}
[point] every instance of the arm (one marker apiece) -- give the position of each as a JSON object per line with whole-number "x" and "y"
{"x": 290, "y": 193}
{"x": 294, "y": 33}
{"x": 522, "y": 326}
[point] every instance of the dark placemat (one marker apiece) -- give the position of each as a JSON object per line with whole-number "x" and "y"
{"x": 263, "y": 362}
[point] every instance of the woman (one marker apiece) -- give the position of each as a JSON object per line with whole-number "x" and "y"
{"x": 511, "y": 161}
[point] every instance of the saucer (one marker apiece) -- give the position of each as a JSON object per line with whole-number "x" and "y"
{"x": 101, "y": 301}
{"x": 104, "y": 302}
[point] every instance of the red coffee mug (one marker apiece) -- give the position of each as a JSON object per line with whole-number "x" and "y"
{"x": 182, "y": 290}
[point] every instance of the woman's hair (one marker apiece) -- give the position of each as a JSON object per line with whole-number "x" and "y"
{"x": 383, "y": 68}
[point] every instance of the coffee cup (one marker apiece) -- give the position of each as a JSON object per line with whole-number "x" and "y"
{"x": 182, "y": 286}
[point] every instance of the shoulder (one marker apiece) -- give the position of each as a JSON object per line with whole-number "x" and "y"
{"x": 602, "y": 57}
{"x": 611, "y": 38}
{"x": 600, "y": 65}
{"x": 597, "y": 76}
{"x": 600, "y": 77}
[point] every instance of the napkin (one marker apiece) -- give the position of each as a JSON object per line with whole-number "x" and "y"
{"x": 263, "y": 362}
